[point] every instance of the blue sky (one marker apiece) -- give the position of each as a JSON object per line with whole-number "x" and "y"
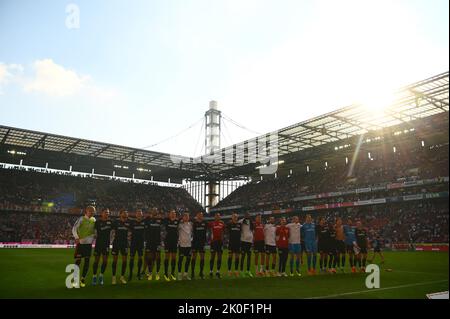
{"x": 136, "y": 72}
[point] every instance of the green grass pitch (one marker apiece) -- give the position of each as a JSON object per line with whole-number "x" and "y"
{"x": 40, "y": 273}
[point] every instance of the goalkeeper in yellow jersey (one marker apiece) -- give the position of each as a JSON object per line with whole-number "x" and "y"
{"x": 84, "y": 231}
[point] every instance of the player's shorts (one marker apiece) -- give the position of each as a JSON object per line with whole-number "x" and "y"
{"x": 83, "y": 250}
{"x": 119, "y": 248}
{"x": 349, "y": 248}
{"x": 171, "y": 246}
{"x": 323, "y": 246}
{"x": 137, "y": 248}
{"x": 311, "y": 246}
{"x": 332, "y": 247}
{"x": 101, "y": 250}
{"x": 246, "y": 246}
{"x": 271, "y": 249}
{"x": 258, "y": 246}
{"x": 234, "y": 247}
{"x": 340, "y": 247}
{"x": 216, "y": 246}
{"x": 294, "y": 248}
{"x": 198, "y": 247}
{"x": 363, "y": 249}
{"x": 152, "y": 247}
{"x": 377, "y": 249}
{"x": 185, "y": 251}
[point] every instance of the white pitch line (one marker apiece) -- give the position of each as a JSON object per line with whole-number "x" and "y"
{"x": 380, "y": 289}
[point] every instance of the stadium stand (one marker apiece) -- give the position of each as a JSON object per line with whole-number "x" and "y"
{"x": 34, "y": 191}
{"x": 411, "y": 163}
{"x": 389, "y": 170}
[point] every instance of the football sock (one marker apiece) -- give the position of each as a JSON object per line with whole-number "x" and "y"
{"x": 124, "y": 267}
{"x": 131, "y": 266}
{"x": 166, "y": 267}
{"x": 95, "y": 268}
{"x": 180, "y": 263}
{"x": 139, "y": 265}
{"x": 193, "y": 265}
{"x": 202, "y": 265}
{"x": 229, "y": 263}
{"x": 103, "y": 268}
{"x": 85, "y": 267}
{"x": 186, "y": 265}
{"x": 173, "y": 265}
{"x": 219, "y": 263}
{"x": 114, "y": 267}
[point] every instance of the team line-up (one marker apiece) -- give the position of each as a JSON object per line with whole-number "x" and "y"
{"x": 270, "y": 241}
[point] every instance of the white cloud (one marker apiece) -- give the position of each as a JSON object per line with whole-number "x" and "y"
{"x": 4, "y": 74}
{"x": 49, "y": 79}
{"x": 8, "y": 73}
{"x": 54, "y": 80}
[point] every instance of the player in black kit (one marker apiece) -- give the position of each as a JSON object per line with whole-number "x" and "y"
{"x": 171, "y": 245}
{"x": 234, "y": 244}
{"x": 198, "y": 243}
{"x": 362, "y": 243}
{"x": 120, "y": 245}
{"x": 153, "y": 226}
{"x": 103, "y": 227}
{"x": 323, "y": 241}
{"x": 137, "y": 228}
{"x": 377, "y": 244}
{"x": 332, "y": 249}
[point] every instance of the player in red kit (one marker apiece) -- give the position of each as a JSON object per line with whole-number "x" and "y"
{"x": 282, "y": 234}
{"x": 258, "y": 245}
{"x": 217, "y": 228}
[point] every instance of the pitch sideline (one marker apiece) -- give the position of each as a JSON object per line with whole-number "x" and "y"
{"x": 380, "y": 289}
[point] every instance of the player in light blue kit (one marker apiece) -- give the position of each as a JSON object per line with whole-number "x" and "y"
{"x": 309, "y": 234}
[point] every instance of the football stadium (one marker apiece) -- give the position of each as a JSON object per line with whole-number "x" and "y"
{"x": 375, "y": 188}
{"x": 351, "y": 202}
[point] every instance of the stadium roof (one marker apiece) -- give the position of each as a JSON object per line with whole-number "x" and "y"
{"x": 413, "y": 102}
{"x": 416, "y": 101}
{"x": 71, "y": 145}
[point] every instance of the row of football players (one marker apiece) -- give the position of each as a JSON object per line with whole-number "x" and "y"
{"x": 187, "y": 239}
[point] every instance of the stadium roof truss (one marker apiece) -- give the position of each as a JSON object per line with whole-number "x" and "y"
{"x": 416, "y": 101}
{"x": 32, "y": 140}
{"x": 419, "y": 100}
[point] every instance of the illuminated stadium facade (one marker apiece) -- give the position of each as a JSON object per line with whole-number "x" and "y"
{"x": 287, "y": 149}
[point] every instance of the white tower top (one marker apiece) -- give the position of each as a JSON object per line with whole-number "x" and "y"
{"x": 213, "y": 105}
{"x": 212, "y": 128}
